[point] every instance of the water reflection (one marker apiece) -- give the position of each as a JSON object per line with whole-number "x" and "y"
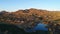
{"x": 39, "y": 26}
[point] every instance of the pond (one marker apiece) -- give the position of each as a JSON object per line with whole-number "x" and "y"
{"x": 39, "y": 26}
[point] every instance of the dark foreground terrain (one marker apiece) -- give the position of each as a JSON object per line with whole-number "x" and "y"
{"x": 12, "y": 29}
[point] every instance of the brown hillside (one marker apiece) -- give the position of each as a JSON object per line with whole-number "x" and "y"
{"x": 28, "y": 17}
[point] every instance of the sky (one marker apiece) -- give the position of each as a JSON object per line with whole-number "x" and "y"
{"x": 13, "y": 5}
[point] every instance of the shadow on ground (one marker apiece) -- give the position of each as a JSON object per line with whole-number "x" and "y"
{"x": 12, "y": 29}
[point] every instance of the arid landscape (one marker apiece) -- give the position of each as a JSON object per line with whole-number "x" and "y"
{"x": 27, "y": 15}
{"x": 29, "y": 18}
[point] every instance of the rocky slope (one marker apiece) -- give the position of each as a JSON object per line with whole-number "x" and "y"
{"x": 28, "y": 17}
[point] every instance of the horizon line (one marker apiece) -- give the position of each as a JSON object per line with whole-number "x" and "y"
{"x": 29, "y": 8}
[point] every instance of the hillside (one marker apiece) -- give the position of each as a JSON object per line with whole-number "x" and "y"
{"x": 28, "y": 17}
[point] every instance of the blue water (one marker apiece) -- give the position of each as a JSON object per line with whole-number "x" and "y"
{"x": 39, "y": 26}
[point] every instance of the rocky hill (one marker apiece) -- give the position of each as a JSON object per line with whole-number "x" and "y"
{"x": 28, "y": 17}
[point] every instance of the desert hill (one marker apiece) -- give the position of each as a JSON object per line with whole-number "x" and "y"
{"x": 28, "y": 17}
